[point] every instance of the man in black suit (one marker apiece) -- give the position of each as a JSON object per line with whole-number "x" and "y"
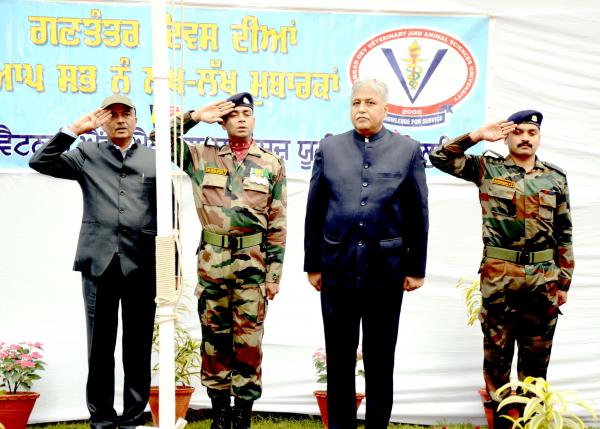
{"x": 115, "y": 253}
{"x": 365, "y": 244}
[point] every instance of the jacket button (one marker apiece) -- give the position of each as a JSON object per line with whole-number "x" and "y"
{"x": 365, "y": 184}
{"x": 121, "y": 210}
{"x": 363, "y": 203}
{"x": 360, "y": 243}
{"x": 361, "y": 223}
{"x": 121, "y": 192}
{"x": 123, "y": 175}
{"x": 366, "y": 166}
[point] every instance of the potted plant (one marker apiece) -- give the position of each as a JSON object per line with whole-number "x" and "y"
{"x": 543, "y": 408}
{"x": 320, "y": 363}
{"x": 469, "y": 286}
{"x": 187, "y": 366}
{"x": 19, "y": 367}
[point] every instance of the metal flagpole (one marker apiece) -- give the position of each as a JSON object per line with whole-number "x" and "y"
{"x": 165, "y": 242}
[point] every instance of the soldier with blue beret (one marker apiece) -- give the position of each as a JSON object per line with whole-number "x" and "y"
{"x": 240, "y": 194}
{"x": 528, "y": 261}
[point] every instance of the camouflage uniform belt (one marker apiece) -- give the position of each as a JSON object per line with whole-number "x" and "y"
{"x": 231, "y": 241}
{"x": 519, "y": 256}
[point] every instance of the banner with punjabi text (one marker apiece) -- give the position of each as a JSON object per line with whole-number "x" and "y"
{"x": 58, "y": 60}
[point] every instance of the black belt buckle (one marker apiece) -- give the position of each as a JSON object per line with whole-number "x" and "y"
{"x": 234, "y": 243}
{"x": 524, "y": 257}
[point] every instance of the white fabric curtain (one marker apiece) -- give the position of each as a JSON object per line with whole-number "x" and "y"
{"x": 543, "y": 55}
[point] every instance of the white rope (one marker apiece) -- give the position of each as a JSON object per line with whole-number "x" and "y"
{"x": 167, "y": 290}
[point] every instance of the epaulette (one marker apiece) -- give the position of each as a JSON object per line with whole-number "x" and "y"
{"x": 554, "y": 167}
{"x": 270, "y": 152}
{"x": 273, "y": 154}
{"x": 265, "y": 150}
{"x": 491, "y": 154}
{"x": 211, "y": 141}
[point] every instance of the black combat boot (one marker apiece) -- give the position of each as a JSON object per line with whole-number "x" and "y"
{"x": 242, "y": 413}
{"x": 221, "y": 408}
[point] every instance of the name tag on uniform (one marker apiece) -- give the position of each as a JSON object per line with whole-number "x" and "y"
{"x": 503, "y": 182}
{"x": 215, "y": 170}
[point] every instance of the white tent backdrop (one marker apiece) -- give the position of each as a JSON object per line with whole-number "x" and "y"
{"x": 543, "y": 55}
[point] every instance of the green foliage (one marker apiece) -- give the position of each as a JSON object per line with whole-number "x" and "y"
{"x": 19, "y": 366}
{"x": 320, "y": 363}
{"x": 472, "y": 293}
{"x": 187, "y": 355}
{"x": 544, "y": 408}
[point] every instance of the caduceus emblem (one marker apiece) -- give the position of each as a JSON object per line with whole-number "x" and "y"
{"x": 413, "y": 68}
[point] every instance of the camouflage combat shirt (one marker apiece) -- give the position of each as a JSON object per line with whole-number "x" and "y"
{"x": 238, "y": 198}
{"x": 520, "y": 211}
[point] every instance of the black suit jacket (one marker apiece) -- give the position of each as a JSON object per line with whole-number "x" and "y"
{"x": 367, "y": 213}
{"x": 119, "y": 200}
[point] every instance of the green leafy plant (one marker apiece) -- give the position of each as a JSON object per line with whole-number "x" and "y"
{"x": 472, "y": 292}
{"x": 319, "y": 358}
{"x": 187, "y": 355}
{"x": 544, "y": 408}
{"x": 19, "y": 366}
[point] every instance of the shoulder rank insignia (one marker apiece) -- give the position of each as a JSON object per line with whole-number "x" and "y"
{"x": 503, "y": 182}
{"x": 211, "y": 141}
{"x": 554, "y": 167}
{"x": 215, "y": 170}
{"x": 492, "y": 154}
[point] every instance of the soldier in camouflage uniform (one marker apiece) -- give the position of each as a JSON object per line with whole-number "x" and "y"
{"x": 240, "y": 195}
{"x": 528, "y": 260}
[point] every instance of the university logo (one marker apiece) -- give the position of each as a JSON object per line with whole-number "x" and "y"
{"x": 427, "y": 72}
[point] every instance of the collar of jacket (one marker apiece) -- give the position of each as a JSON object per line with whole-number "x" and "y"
{"x": 252, "y": 150}
{"x": 114, "y": 148}
{"x": 373, "y": 138}
{"x": 509, "y": 162}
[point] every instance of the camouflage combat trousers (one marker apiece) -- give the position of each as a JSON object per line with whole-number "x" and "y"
{"x": 232, "y": 308}
{"x": 519, "y": 305}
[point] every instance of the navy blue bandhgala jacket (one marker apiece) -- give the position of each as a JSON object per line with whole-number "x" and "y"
{"x": 367, "y": 214}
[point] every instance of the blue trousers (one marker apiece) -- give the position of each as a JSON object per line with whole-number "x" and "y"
{"x": 343, "y": 311}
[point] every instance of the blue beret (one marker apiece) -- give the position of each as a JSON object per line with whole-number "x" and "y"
{"x": 242, "y": 99}
{"x": 527, "y": 117}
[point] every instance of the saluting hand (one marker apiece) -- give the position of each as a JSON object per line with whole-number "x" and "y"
{"x": 493, "y": 132}
{"x": 213, "y": 112}
{"x": 413, "y": 283}
{"x": 90, "y": 121}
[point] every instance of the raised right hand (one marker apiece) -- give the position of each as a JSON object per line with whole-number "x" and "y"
{"x": 213, "y": 112}
{"x": 90, "y": 121}
{"x": 493, "y": 132}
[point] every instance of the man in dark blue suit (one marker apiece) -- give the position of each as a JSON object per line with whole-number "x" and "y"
{"x": 365, "y": 244}
{"x": 115, "y": 252}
